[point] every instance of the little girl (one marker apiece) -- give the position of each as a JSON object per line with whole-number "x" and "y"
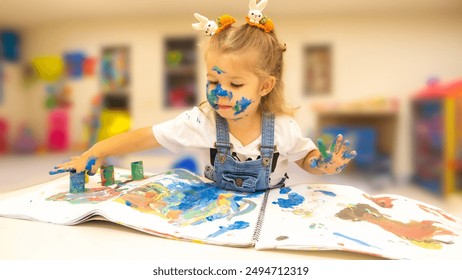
{"x": 245, "y": 134}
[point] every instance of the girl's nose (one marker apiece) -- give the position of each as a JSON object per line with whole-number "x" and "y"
{"x": 221, "y": 92}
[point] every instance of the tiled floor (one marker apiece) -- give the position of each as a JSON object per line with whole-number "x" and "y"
{"x": 19, "y": 171}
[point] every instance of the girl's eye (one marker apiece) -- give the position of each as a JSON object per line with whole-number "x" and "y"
{"x": 213, "y": 82}
{"x": 236, "y": 85}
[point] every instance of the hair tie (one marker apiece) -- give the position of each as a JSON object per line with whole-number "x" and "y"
{"x": 256, "y": 18}
{"x": 224, "y": 22}
{"x": 213, "y": 27}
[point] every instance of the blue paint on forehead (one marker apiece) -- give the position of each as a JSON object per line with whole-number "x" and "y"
{"x": 218, "y": 70}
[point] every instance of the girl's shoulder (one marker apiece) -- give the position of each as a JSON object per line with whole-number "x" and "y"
{"x": 206, "y": 111}
{"x": 285, "y": 122}
{"x": 197, "y": 117}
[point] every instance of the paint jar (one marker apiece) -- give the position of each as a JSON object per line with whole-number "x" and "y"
{"x": 107, "y": 175}
{"x": 77, "y": 182}
{"x": 137, "y": 170}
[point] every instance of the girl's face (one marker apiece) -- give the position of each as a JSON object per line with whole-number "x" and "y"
{"x": 232, "y": 89}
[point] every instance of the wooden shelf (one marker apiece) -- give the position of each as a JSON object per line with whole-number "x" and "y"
{"x": 384, "y": 122}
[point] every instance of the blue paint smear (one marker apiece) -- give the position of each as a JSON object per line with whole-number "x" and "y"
{"x": 235, "y": 206}
{"x": 236, "y": 225}
{"x": 293, "y": 200}
{"x": 214, "y": 94}
{"x": 90, "y": 163}
{"x": 328, "y": 193}
{"x": 190, "y": 196}
{"x": 241, "y": 105}
{"x": 219, "y": 91}
{"x": 211, "y": 98}
{"x": 355, "y": 240}
{"x": 314, "y": 163}
{"x": 218, "y": 70}
{"x": 194, "y": 197}
{"x": 285, "y": 190}
{"x": 54, "y": 172}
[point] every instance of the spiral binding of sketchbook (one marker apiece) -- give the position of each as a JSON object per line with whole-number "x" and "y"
{"x": 261, "y": 217}
{"x": 180, "y": 205}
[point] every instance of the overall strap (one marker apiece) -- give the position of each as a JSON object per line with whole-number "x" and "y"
{"x": 222, "y": 144}
{"x": 267, "y": 147}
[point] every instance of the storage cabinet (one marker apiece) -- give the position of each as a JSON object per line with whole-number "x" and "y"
{"x": 437, "y": 137}
{"x": 180, "y": 72}
{"x": 372, "y": 134}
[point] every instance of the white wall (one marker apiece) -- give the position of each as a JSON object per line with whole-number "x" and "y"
{"x": 383, "y": 56}
{"x": 13, "y": 105}
{"x": 144, "y": 38}
{"x": 377, "y": 56}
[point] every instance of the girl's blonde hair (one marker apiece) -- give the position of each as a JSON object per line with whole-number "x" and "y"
{"x": 245, "y": 38}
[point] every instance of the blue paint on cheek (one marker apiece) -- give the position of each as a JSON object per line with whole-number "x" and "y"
{"x": 241, "y": 105}
{"x": 214, "y": 94}
{"x": 293, "y": 200}
{"x": 211, "y": 97}
{"x": 220, "y": 92}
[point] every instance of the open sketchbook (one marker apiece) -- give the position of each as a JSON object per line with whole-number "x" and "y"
{"x": 180, "y": 205}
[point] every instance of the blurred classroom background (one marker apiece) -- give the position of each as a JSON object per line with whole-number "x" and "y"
{"x": 386, "y": 74}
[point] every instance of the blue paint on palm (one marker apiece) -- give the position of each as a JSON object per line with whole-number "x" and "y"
{"x": 314, "y": 163}
{"x": 323, "y": 150}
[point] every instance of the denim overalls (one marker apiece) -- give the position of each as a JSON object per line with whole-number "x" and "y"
{"x": 246, "y": 176}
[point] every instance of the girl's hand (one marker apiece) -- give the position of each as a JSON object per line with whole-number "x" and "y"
{"x": 334, "y": 159}
{"x": 87, "y": 161}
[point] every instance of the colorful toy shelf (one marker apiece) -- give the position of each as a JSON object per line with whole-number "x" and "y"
{"x": 437, "y": 137}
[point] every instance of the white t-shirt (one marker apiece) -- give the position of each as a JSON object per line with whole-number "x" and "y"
{"x": 195, "y": 131}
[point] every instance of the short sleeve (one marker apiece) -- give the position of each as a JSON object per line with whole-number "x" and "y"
{"x": 190, "y": 129}
{"x": 291, "y": 141}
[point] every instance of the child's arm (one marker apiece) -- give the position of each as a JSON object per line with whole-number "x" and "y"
{"x": 328, "y": 161}
{"x": 128, "y": 142}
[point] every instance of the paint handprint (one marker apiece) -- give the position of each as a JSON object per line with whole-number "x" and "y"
{"x": 334, "y": 159}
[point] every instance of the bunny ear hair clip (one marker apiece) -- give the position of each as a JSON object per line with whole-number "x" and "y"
{"x": 212, "y": 27}
{"x": 256, "y": 18}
